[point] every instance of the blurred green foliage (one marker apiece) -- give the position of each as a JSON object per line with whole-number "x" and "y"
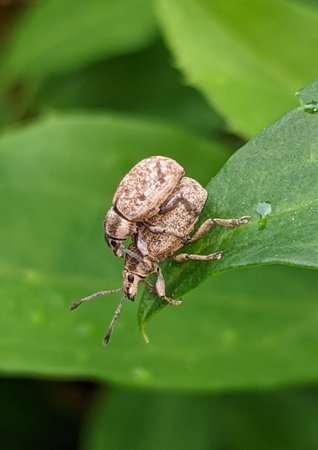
{"x": 277, "y": 421}
{"x": 87, "y": 90}
{"x": 258, "y": 54}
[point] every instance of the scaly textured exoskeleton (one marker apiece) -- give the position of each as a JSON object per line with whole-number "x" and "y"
{"x": 146, "y": 188}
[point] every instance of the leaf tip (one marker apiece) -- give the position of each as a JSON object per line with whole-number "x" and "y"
{"x": 143, "y": 333}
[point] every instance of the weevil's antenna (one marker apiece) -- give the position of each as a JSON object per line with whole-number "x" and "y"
{"x": 95, "y": 295}
{"x": 113, "y": 321}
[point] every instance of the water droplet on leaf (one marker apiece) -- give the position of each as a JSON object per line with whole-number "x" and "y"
{"x": 311, "y": 107}
{"x": 264, "y": 210}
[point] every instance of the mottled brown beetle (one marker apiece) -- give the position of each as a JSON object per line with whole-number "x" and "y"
{"x": 161, "y": 245}
{"x": 149, "y": 187}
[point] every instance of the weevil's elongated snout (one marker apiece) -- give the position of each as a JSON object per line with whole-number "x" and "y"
{"x": 130, "y": 284}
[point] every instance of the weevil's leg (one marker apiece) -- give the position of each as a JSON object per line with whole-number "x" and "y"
{"x": 161, "y": 290}
{"x": 141, "y": 244}
{"x": 158, "y": 230}
{"x": 113, "y": 321}
{"x": 174, "y": 200}
{"x": 208, "y": 224}
{"x": 186, "y": 256}
{"x": 150, "y": 287}
{"x": 171, "y": 202}
{"x": 95, "y": 295}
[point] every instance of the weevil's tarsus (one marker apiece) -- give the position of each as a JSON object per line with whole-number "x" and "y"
{"x": 187, "y": 256}
{"x": 208, "y": 224}
{"x": 95, "y": 295}
{"x": 113, "y": 321}
{"x": 171, "y": 301}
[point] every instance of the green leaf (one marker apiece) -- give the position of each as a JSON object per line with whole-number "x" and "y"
{"x": 274, "y": 180}
{"x": 257, "y": 421}
{"x": 56, "y": 36}
{"x": 248, "y": 58}
{"x": 241, "y": 329}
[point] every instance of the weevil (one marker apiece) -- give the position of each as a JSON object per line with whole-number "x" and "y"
{"x": 159, "y": 244}
{"x": 149, "y": 187}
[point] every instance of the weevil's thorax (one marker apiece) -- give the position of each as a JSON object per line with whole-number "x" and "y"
{"x": 136, "y": 269}
{"x": 182, "y": 219}
{"x": 117, "y": 229}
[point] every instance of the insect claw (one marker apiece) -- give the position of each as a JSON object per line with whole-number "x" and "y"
{"x": 171, "y": 301}
{"x": 243, "y": 220}
{"x": 113, "y": 321}
{"x": 75, "y": 305}
{"x": 217, "y": 255}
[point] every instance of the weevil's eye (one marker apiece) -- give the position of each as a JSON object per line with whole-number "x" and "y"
{"x": 131, "y": 278}
{"x": 113, "y": 243}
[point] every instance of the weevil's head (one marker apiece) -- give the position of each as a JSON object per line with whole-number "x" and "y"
{"x": 116, "y": 230}
{"x": 130, "y": 284}
{"x": 137, "y": 268}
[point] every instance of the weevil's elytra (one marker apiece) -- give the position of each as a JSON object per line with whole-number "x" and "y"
{"x": 180, "y": 220}
{"x": 146, "y": 186}
{"x": 158, "y": 207}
